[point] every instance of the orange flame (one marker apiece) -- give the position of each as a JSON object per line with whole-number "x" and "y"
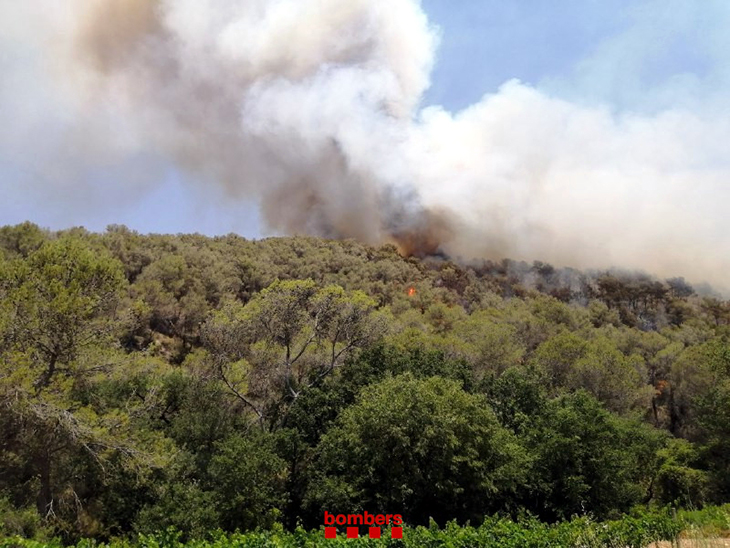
{"x": 411, "y": 291}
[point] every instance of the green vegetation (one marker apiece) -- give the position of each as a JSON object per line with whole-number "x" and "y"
{"x": 635, "y": 531}
{"x": 221, "y": 384}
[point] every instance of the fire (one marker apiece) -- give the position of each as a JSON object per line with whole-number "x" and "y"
{"x": 411, "y": 291}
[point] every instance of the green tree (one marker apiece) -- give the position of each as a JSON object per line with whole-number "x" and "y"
{"x": 59, "y": 304}
{"x": 694, "y": 376}
{"x": 422, "y": 448}
{"x": 678, "y": 480}
{"x": 617, "y": 380}
{"x": 712, "y": 408}
{"x": 58, "y": 301}
{"x": 556, "y": 359}
{"x": 491, "y": 346}
{"x": 249, "y": 480}
{"x": 286, "y": 340}
{"x": 589, "y": 460}
{"x": 21, "y": 240}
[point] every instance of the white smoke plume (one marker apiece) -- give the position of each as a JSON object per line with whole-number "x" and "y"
{"x": 313, "y": 108}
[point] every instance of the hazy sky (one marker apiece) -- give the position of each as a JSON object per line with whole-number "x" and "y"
{"x": 594, "y": 51}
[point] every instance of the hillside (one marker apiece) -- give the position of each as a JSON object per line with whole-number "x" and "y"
{"x": 149, "y": 381}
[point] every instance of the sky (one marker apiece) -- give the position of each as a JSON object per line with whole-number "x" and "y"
{"x": 486, "y": 43}
{"x": 483, "y": 44}
{"x": 649, "y": 78}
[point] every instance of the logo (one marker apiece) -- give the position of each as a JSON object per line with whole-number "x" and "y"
{"x": 352, "y": 522}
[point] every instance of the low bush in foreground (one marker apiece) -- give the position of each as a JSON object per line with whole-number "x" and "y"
{"x": 635, "y": 531}
{"x": 713, "y": 521}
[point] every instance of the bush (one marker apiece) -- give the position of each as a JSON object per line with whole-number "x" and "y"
{"x": 632, "y": 532}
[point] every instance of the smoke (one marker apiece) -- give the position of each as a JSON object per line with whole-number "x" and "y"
{"x": 313, "y": 108}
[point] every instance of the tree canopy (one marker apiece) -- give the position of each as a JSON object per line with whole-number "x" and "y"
{"x": 149, "y": 381}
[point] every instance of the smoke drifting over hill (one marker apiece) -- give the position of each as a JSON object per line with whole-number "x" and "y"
{"x": 313, "y": 109}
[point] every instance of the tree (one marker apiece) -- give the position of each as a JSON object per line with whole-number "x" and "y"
{"x": 588, "y": 460}
{"x": 712, "y": 410}
{"x": 678, "y": 481}
{"x": 679, "y": 288}
{"x": 491, "y": 346}
{"x": 248, "y": 480}
{"x": 59, "y": 301}
{"x": 60, "y": 304}
{"x": 21, "y": 240}
{"x": 556, "y": 358}
{"x": 286, "y": 340}
{"x": 714, "y": 419}
{"x": 617, "y": 380}
{"x": 716, "y": 309}
{"x": 695, "y": 375}
{"x": 517, "y": 397}
{"x": 421, "y": 448}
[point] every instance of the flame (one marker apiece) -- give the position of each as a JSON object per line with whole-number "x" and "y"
{"x": 411, "y": 291}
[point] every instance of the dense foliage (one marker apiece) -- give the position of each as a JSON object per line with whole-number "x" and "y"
{"x": 205, "y": 383}
{"x": 629, "y": 532}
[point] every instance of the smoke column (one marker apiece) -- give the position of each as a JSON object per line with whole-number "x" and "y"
{"x": 313, "y": 108}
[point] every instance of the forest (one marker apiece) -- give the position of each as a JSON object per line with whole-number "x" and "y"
{"x": 218, "y": 384}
